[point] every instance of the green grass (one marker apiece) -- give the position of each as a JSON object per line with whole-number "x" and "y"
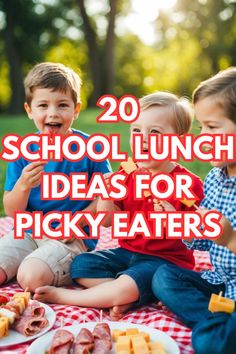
{"x": 86, "y": 122}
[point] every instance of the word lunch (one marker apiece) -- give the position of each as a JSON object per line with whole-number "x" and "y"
{"x": 99, "y": 147}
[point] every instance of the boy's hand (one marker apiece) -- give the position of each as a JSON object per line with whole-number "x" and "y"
{"x": 31, "y": 174}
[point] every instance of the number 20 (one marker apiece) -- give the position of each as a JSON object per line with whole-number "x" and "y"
{"x": 116, "y": 110}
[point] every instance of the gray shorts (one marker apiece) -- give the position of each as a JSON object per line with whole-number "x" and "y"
{"x": 57, "y": 255}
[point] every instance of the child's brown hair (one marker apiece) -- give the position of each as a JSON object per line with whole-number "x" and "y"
{"x": 55, "y": 76}
{"x": 180, "y": 109}
{"x": 221, "y": 88}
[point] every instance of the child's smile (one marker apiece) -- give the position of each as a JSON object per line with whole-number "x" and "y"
{"x": 213, "y": 120}
{"x": 53, "y": 112}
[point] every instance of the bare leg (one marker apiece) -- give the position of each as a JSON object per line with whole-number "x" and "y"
{"x": 33, "y": 273}
{"x": 120, "y": 291}
{"x": 91, "y": 282}
{"x": 3, "y": 276}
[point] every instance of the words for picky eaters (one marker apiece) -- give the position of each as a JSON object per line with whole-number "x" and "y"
{"x": 176, "y": 224}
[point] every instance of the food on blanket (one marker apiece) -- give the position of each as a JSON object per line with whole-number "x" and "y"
{"x": 4, "y": 326}
{"x": 219, "y": 303}
{"x": 61, "y": 342}
{"x": 25, "y": 296}
{"x": 102, "y": 339}
{"x": 132, "y": 341}
{"x": 34, "y": 309}
{"x": 10, "y": 315}
{"x": 4, "y": 298}
{"x": 128, "y": 166}
{"x": 24, "y": 317}
{"x": 21, "y": 303}
{"x": 30, "y": 326}
{"x": 84, "y": 342}
{"x": 139, "y": 345}
{"x": 116, "y": 333}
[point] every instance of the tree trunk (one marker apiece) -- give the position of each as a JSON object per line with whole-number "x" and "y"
{"x": 94, "y": 55}
{"x": 101, "y": 59}
{"x": 17, "y": 97}
{"x": 109, "y": 50}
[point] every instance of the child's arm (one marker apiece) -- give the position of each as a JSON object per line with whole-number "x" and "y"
{"x": 228, "y": 237}
{"x": 17, "y": 198}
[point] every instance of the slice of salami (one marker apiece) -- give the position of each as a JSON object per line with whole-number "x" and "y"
{"x": 102, "y": 339}
{"x": 84, "y": 336}
{"x": 102, "y": 346}
{"x": 83, "y": 349}
{"x": 102, "y": 331}
{"x": 29, "y": 326}
{"x": 84, "y": 342}
{"x": 61, "y": 342}
{"x": 34, "y": 309}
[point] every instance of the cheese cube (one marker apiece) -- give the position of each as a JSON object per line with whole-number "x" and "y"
{"x": 123, "y": 343}
{"x": 26, "y": 296}
{"x": 117, "y": 333}
{"x": 131, "y": 331}
{"x": 139, "y": 345}
{"x": 21, "y": 302}
{"x": 219, "y": 303}
{"x": 8, "y": 314}
{"x": 4, "y": 326}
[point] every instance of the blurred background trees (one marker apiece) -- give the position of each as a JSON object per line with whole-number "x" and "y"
{"x": 183, "y": 42}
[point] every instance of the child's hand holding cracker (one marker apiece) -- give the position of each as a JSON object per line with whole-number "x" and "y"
{"x": 31, "y": 175}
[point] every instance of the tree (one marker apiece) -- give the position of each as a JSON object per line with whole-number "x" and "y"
{"x": 24, "y": 41}
{"x": 101, "y": 53}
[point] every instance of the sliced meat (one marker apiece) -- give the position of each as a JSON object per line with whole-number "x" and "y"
{"x": 61, "y": 342}
{"x": 102, "y": 339}
{"x": 29, "y": 326}
{"x": 102, "y": 331}
{"x": 102, "y": 346}
{"x": 84, "y": 342}
{"x": 34, "y": 309}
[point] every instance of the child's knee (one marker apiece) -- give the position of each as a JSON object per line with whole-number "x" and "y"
{"x": 33, "y": 274}
{"x": 3, "y": 276}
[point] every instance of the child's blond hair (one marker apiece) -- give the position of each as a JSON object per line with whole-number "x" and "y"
{"x": 180, "y": 108}
{"x": 54, "y": 76}
{"x": 221, "y": 88}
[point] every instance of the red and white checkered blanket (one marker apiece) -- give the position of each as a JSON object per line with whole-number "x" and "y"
{"x": 155, "y": 315}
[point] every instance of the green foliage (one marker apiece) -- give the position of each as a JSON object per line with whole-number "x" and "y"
{"x": 73, "y": 54}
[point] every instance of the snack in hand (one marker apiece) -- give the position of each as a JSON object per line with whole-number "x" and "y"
{"x": 128, "y": 166}
{"x": 189, "y": 203}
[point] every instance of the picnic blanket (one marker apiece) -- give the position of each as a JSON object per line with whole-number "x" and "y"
{"x": 156, "y": 315}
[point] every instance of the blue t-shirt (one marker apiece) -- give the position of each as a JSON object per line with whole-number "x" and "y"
{"x": 35, "y": 203}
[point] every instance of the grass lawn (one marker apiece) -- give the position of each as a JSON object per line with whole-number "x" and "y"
{"x": 86, "y": 122}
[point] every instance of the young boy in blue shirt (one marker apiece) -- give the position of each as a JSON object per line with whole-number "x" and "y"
{"x": 53, "y": 103}
{"x": 185, "y": 292}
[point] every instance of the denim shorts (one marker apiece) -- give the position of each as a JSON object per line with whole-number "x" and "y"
{"x": 112, "y": 263}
